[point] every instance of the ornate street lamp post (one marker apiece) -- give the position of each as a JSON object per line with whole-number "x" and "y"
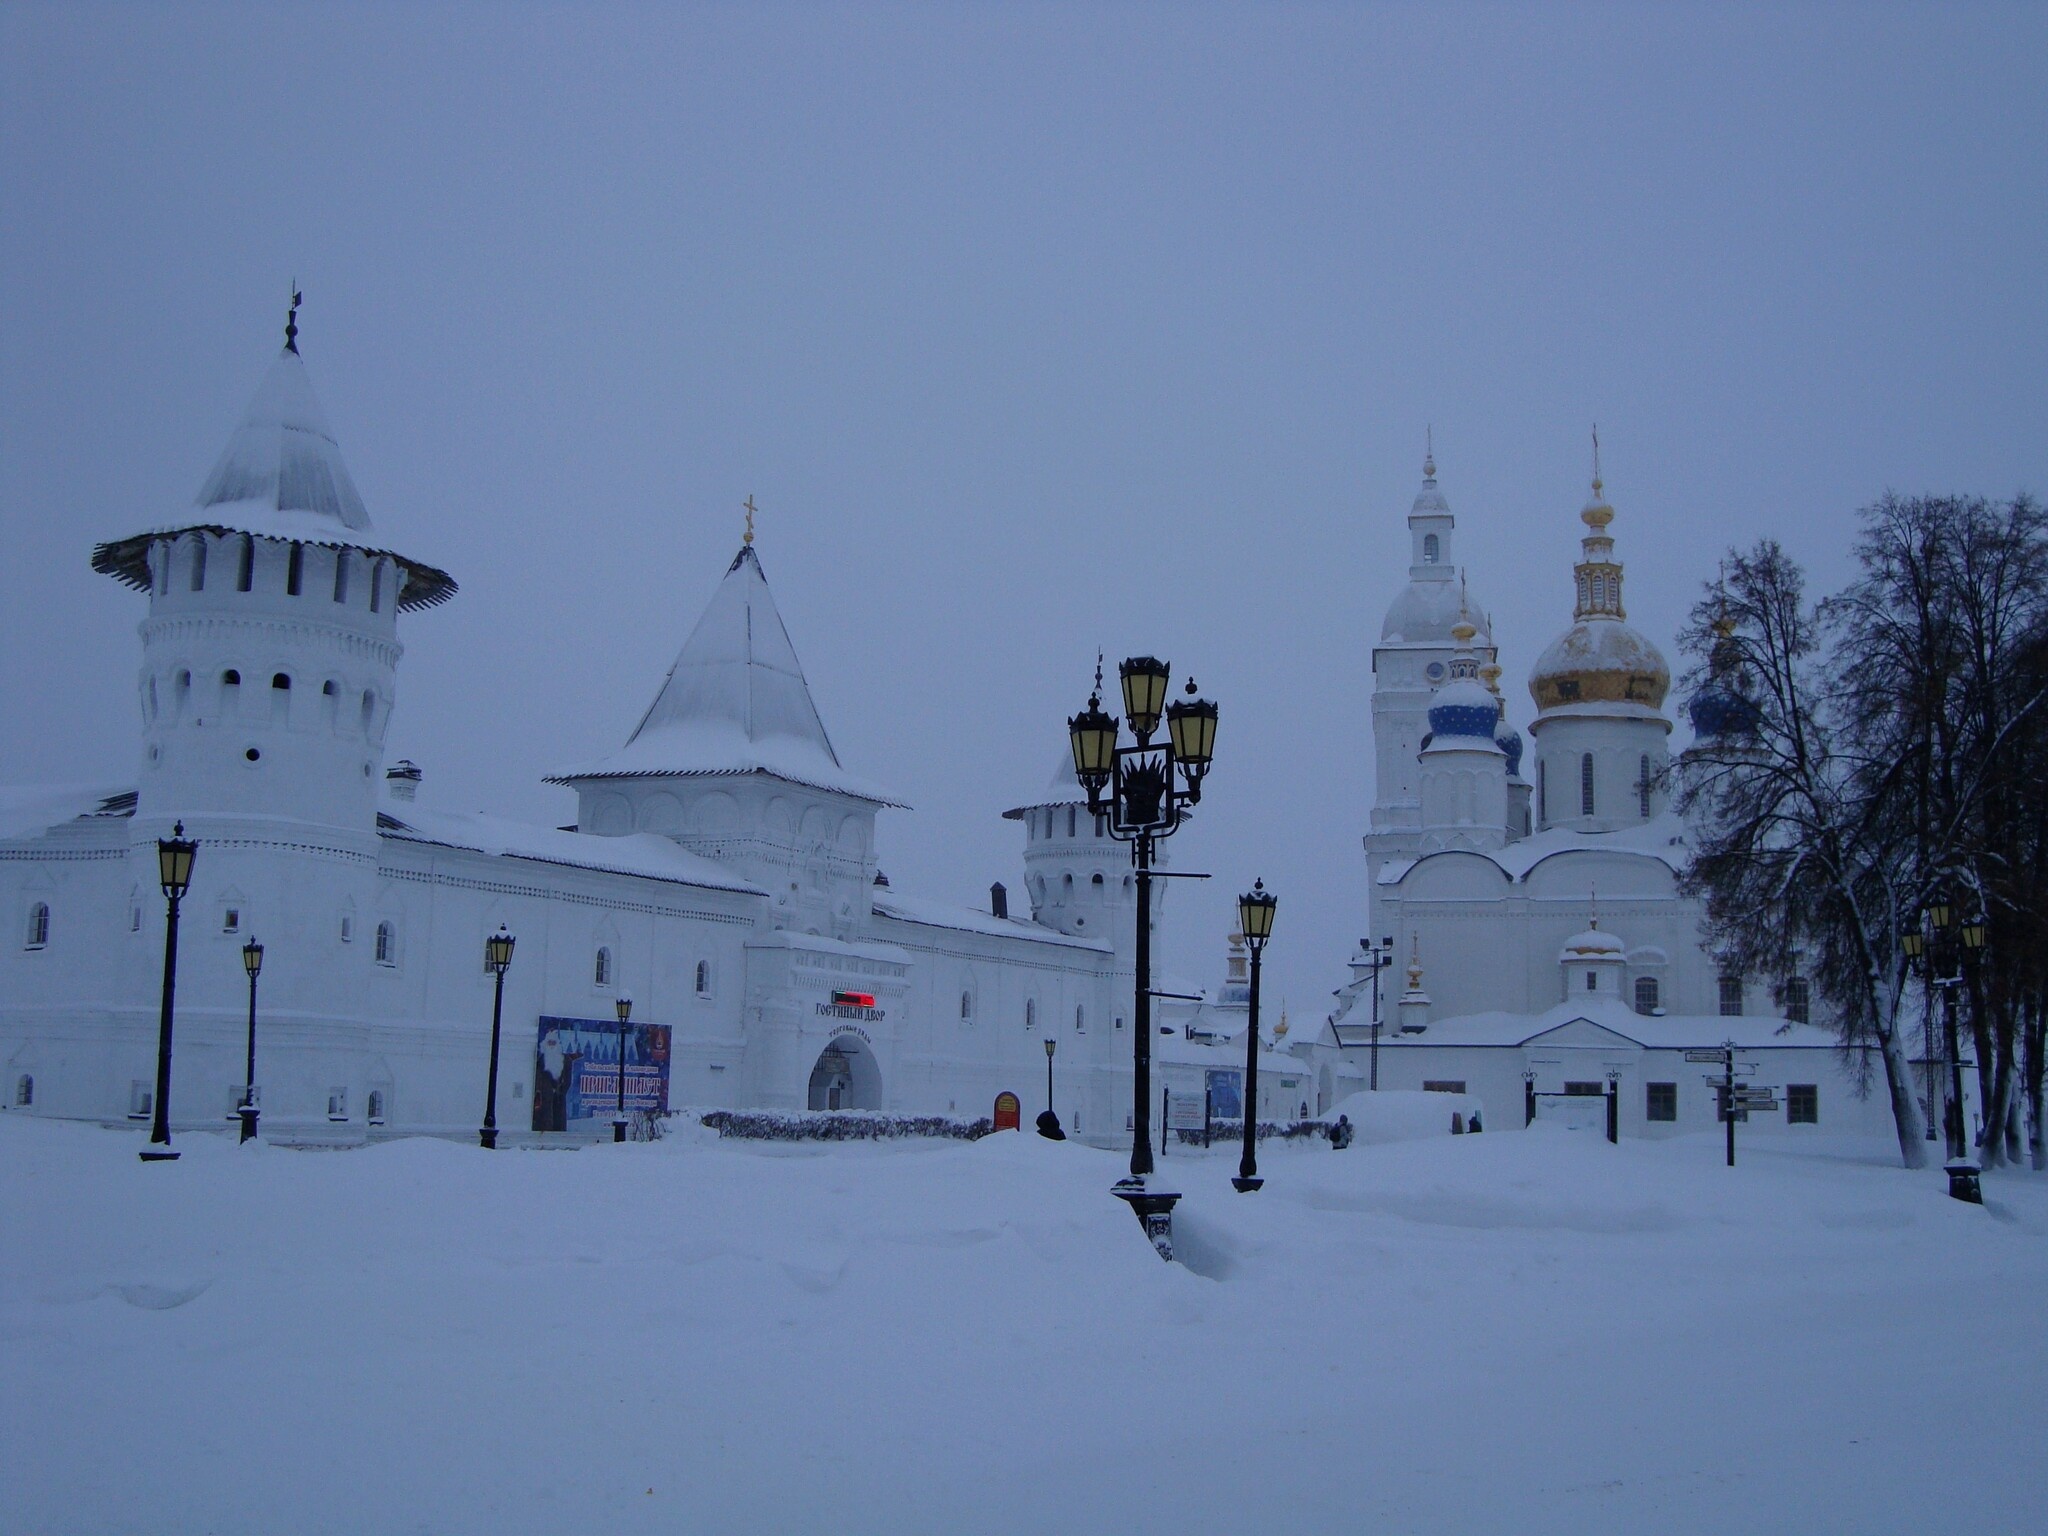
{"x": 1937, "y": 948}
{"x": 252, "y": 962}
{"x": 624, "y": 1007}
{"x": 497, "y": 960}
{"x": 174, "y": 874}
{"x": 1139, "y": 789}
{"x": 1255, "y": 922}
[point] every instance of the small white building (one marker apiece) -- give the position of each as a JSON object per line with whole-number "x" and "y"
{"x": 722, "y": 871}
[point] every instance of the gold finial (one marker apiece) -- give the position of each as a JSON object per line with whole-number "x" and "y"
{"x": 1429, "y": 453}
{"x": 751, "y": 509}
{"x": 1414, "y": 962}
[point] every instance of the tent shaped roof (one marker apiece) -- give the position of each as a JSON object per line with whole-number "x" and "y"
{"x": 734, "y": 702}
{"x": 281, "y": 476}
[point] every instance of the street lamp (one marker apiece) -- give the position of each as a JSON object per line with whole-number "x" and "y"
{"x": 1937, "y": 948}
{"x": 1381, "y": 956}
{"x": 497, "y": 960}
{"x": 624, "y": 1007}
{"x": 1139, "y": 790}
{"x": 1049, "y": 1122}
{"x": 252, "y": 962}
{"x": 174, "y": 874}
{"x": 1255, "y": 922}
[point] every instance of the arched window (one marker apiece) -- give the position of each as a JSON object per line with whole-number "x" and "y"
{"x": 703, "y": 978}
{"x": 966, "y": 1007}
{"x": 294, "y": 568}
{"x": 199, "y": 563}
{"x": 1731, "y": 996}
{"x": 387, "y": 945}
{"x": 1030, "y": 1013}
{"x": 376, "y": 1106}
{"x": 1080, "y": 1020}
{"x": 1592, "y": 981}
{"x": 231, "y": 678}
{"x": 1429, "y": 549}
{"x": 1067, "y": 887}
{"x": 245, "y": 573}
{"x": 1070, "y": 821}
{"x": 39, "y": 925}
{"x": 1585, "y": 784}
{"x": 1096, "y": 881}
{"x": 1542, "y": 797}
{"x": 24, "y": 1091}
{"x": 1646, "y": 994}
{"x": 1643, "y": 787}
{"x": 377, "y": 587}
{"x": 602, "y": 971}
{"x": 369, "y": 709}
{"x": 341, "y": 575}
{"x": 281, "y": 680}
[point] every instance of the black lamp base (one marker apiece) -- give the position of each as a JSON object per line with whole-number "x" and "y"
{"x": 1245, "y": 1186}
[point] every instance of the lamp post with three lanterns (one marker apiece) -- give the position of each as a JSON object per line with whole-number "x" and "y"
{"x": 1144, "y": 791}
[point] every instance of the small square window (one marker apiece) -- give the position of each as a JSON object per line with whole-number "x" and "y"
{"x": 337, "y": 1103}
{"x": 231, "y": 920}
{"x": 1661, "y": 1101}
{"x": 348, "y": 930}
{"x": 1802, "y": 1104}
{"x": 141, "y": 1100}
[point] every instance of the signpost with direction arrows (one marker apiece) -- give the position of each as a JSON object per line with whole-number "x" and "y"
{"x": 1735, "y": 1100}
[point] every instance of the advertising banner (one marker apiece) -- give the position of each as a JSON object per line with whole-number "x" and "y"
{"x": 576, "y": 1070}
{"x": 1226, "y": 1093}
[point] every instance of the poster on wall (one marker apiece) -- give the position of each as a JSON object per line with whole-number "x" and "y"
{"x": 576, "y": 1071}
{"x": 1226, "y": 1094}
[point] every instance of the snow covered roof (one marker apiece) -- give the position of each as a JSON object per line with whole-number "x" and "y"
{"x": 1584, "y": 946}
{"x": 28, "y": 810}
{"x": 735, "y": 701}
{"x": 939, "y": 914}
{"x": 1064, "y": 788}
{"x": 638, "y": 853}
{"x": 281, "y": 476}
{"x": 1662, "y": 837}
{"x": 1672, "y": 1032}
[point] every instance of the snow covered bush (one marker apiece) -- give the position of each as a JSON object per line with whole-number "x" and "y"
{"x": 840, "y": 1125}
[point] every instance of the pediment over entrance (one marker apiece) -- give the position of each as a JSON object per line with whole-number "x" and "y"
{"x": 1583, "y": 1032}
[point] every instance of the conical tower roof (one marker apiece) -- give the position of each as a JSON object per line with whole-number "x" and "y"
{"x": 281, "y": 476}
{"x": 735, "y": 701}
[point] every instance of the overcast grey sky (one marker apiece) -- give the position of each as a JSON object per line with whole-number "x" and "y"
{"x": 1032, "y": 329}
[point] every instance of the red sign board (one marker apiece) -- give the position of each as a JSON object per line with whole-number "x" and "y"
{"x": 1009, "y": 1113}
{"x": 853, "y": 999}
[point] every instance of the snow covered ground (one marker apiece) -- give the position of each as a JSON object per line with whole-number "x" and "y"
{"x": 1511, "y": 1332}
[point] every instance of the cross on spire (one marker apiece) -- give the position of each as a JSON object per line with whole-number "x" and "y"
{"x": 291, "y": 320}
{"x": 751, "y": 509}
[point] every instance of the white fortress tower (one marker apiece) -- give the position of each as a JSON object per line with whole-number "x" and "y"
{"x": 270, "y": 654}
{"x": 1600, "y": 734}
{"x": 731, "y": 761}
{"x": 1413, "y": 660}
{"x": 1078, "y": 876}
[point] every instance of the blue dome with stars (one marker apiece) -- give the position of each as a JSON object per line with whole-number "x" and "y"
{"x": 1464, "y": 708}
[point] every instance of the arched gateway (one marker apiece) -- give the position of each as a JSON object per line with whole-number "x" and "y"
{"x": 846, "y": 1076}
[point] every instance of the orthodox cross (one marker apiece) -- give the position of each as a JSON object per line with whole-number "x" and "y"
{"x": 751, "y": 509}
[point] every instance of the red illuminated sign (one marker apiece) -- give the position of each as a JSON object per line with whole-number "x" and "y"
{"x": 853, "y": 999}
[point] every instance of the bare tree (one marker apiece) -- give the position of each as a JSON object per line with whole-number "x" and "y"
{"x": 1791, "y": 847}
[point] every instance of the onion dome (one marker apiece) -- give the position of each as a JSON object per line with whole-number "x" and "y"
{"x": 1600, "y": 659}
{"x": 1505, "y": 736}
{"x": 1720, "y": 708}
{"x": 1591, "y": 945}
{"x": 1463, "y": 707}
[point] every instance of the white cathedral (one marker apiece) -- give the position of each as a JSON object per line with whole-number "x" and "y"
{"x": 722, "y": 874}
{"x": 1543, "y": 954}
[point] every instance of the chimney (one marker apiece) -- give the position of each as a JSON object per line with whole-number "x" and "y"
{"x": 999, "y": 899}
{"x": 402, "y": 779}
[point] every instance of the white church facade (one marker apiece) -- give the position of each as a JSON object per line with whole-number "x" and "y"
{"x": 1529, "y": 939}
{"x": 722, "y": 872}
